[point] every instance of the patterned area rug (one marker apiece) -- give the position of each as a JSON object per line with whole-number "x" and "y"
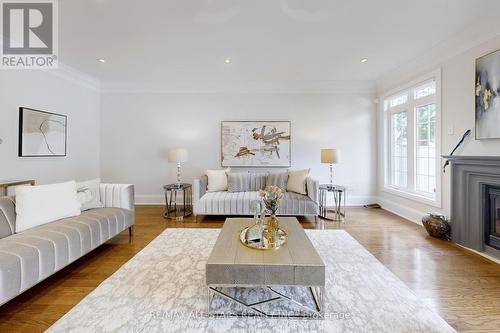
{"x": 162, "y": 289}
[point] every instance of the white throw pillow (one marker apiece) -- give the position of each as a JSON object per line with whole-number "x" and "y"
{"x": 297, "y": 181}
{"x": 217, "y": 180}
{"x": 37, "y": 205}
{"x": 89, "y": 194}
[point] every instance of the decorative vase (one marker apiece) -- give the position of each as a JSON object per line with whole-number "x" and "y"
{"x": 437, "y": 226}
{"x": 272, "y": 229}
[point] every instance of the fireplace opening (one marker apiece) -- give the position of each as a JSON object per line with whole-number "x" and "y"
{"x": 492, "y": 216}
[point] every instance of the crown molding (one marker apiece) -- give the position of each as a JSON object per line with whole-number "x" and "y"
{"x": 73, "y": 75}
{"x": 281, "y": 87}
{"x": 469, "y": 38}
{"x": 70, "y": 74}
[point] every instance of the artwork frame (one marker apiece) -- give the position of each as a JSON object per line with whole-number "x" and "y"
{"x": 272, "y": 151}
{"x": 51, "y": 142}
{"x": 487, "y": 96}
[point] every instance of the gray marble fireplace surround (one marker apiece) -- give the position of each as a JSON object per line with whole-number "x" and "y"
{"x": 470, "y": 178}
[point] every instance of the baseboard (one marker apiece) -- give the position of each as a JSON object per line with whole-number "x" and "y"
{"x": 482, "y": 254}
{"x": 360, "y": 200}
{"x": 408, "y": 213}
{"x": 145, "y": 199}
{"x": 151, "y": 199}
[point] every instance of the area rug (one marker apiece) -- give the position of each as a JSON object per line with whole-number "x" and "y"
{"x": 162, "y": 289}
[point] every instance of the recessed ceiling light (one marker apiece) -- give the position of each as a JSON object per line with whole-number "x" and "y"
{"x": 363, "y": 60}
{"x": 227, "y": 61}
{"x": 101, "y": 60}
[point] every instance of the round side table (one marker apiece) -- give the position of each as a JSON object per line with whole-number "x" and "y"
{"x": 179, "y": 201}
{"x": 339, "y": 194}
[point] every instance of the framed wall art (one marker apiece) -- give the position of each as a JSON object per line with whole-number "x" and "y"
{"x": 41, "y": 134}
{"x": 256, "y": 143}
{"x": 488, "y": 96}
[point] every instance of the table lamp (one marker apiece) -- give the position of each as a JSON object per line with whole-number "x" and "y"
{"x": 178, "y": 155}
{"x": 330, "y": 156}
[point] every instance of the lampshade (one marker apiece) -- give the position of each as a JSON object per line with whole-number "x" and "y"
{"x": 330, "y": 156}
{"x": 178, "y": 155}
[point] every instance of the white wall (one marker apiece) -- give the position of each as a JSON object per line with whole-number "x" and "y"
{"x": 55, "y": 93}
{"x": 138, "y": 129}
{"x": 457, "y": 74}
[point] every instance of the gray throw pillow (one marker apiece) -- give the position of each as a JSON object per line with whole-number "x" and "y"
{"x": 278, "y": 179}
{"x": 257, "y": 181}
{"x": 238, "y": 182}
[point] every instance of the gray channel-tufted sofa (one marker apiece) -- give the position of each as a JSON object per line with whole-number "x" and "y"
{"x": 238, "y": 203}
{"x": 31, "y": 256}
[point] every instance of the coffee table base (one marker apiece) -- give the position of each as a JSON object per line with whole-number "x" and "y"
{"x": 316, "y": 312}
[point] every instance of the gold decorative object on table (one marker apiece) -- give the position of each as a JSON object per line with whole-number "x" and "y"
{"x": 265, "y": 234}
{"x": 262, "y": 242}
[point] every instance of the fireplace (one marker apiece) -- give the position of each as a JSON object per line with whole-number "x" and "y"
{"x": 492, "y": 216}
{"x": 475, "y": 202}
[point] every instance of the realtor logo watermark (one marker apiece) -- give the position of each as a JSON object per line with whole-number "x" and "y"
{"x": 29, "y": 34}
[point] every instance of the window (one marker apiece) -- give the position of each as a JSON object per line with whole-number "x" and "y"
{"x": 426, "y": 148}
{"x": 412, "y": 140}
{"x": 399, "y": 149}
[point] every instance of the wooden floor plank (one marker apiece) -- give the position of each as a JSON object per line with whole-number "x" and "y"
{"x": 463, "y": 287}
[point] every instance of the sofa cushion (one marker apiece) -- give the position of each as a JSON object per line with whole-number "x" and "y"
{"x": 297, "y": 204}
{"x": 278, "y": 179}
{"x": 239, "y": 203}
{"x": 7, "y": 216}
{"x": 217, "y": 180}
{"x": 297, "y": 181}
{"x": 226, "y": 203}
{"x": 30, "y": 256}
{"x": 238, "y": 182}
{"x": 37, "y": 205}
{"x": 257, "y": 181}
{"x": 89, "y": 194}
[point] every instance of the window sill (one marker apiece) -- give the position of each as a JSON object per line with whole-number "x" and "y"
{"x": 413, "y": 196}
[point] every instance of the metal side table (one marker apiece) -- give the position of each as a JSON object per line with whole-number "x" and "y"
{"x": 179, "y": 201}
{"x": 5, "y": 184}
{"x": 339, "y": 194}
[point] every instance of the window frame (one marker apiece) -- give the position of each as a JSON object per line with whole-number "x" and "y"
{"x": 410, "y": 106}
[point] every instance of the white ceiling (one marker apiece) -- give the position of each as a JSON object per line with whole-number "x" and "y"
{"x": 169, "y": 43}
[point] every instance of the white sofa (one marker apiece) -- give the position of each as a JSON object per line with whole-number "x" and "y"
{"x": 28, "y": 257}
{"x": 238, "y": 203}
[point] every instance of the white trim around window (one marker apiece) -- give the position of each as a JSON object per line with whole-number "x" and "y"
{"x": 412, "y": 140}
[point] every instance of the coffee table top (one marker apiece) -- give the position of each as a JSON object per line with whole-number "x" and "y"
{"x": 295, "y": 263}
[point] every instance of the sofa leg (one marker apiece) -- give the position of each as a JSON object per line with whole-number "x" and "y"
{"x": 130, "y": 232}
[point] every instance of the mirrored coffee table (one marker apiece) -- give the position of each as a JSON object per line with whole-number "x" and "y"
{"x": 285, "y": 282}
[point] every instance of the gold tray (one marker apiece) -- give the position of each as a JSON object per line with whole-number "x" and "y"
{"x": 261, "y": 243}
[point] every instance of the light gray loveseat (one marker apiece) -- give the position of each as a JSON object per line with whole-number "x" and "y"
{"x": 238, "y": 203}
{"x": 31, "y": 256}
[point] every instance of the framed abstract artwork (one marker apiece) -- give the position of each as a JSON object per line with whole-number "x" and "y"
{"x": 41, "y": 134}
{"x": 256, "y": 143}
{"x": 487, "y": 94}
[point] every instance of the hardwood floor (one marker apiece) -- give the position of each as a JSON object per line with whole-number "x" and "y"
{"x": 464, "y": 288}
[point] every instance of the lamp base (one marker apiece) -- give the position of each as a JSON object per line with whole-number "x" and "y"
{"x": 331, "y": 175}
{"x": 179, "y": 183}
